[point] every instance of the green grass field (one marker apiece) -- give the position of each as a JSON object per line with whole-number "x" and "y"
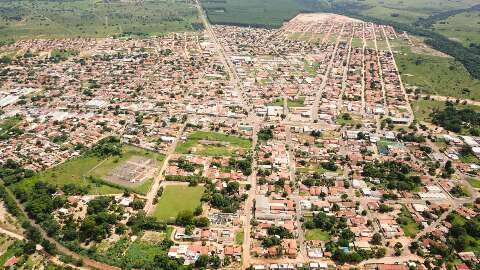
{"x": 24, "y": 19}
{"x": 75, "y": 171}
{"x": 299, "y": 102}
{"x": 317, "y": 234}
{"x": 463, "y": 27}
{"x": 192, "y": 144}
{"x": 474, "y": 182}
{"x": 239, "y": 237}
{"x": 405, "y": 11}
{"x": 408, "y": 225}
{"x": 176, "y": 199}
{"x": 437, "y": 75}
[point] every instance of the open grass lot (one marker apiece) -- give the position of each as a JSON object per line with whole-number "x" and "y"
{"x": 317, "y": 234}
{"x": 127, "y": 253}
{"x": 75, "y": 171}
{"x": 408, "y": 225}
{"x": 299, "y": 102}
{"x": 239, "y": 237}
{"x": 463, "y": 27}
{"x": 227, "y": 145}
{"x": 437, "y": 75}
{"x": 22, "y": 19}
{"x": 7, "y": 123}
{"x": 176, "y": 199}
{"x": 474, "y": 182}
{"x": 423, "y": 108}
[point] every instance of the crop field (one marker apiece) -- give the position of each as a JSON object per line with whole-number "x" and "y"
{"x": 75, "y": 171}
{"x": 21, "y": 19}
{"x": 213, "y": 144}
{"x": 463, "y": 27}
{"x": 176, "y": 199}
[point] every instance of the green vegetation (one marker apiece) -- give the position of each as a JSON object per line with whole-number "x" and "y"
{"x": 317, "y": 234}
{"x": 239, "y": 238}
{"x": 213, "y": 144}
{"x": 474, "y": 182}
{"x": 392, "y": 174}
{"x": 90, "y": 170}
{"x": 464, "y": 234}
{"x": 8, "y": 127}
{"x": 14, "y": 249}
{"x": 299, "y": 102}
{"x": 408, "y": 225}
{"x": 437, "y": 75}
{"x": 227, "y": 200}
{"x": 422, "y": 108}
{"x": 337, "y": 236}
{"x": 59, "y": 19}
{"x": 383, "y": 145}
{"x": 266, "y": 13}
{"x": 138, "y": 254}
{"x": 265, "y": 134}
{"x": 176, "y": 199}
{"x": 277, "y": 102}
{"x": 456, "y": 120}
{"x": 463, "y": 27}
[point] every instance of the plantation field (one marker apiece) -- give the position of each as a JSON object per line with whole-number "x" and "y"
{"x": 220, "y": 144}
{"x": 24, "y": 19}
{"x": 463, "y": 27}
{"x": 76, "y": 171}
{"x": 270, "y": 13}
{"x": 437, "y": 75}
{"x": 176, "y": 199}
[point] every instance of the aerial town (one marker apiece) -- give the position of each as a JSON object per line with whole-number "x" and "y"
{"x": 232, "y": 148}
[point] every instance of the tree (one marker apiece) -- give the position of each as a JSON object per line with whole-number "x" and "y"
{"x": 202, "y": 261}
{"x": 184, "y": 218}
{"x": 376, "y": 239}
{"x": 138, "y": 204}
{"x": 202, "y": 222}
